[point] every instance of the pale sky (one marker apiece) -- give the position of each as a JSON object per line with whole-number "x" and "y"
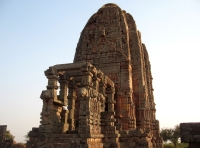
{"x": 37, "y": 34}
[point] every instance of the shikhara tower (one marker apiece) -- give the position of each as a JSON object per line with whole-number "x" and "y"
{"x": 108, "y": 90}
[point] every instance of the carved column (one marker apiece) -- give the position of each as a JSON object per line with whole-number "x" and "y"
{"x": 85, "y": 114}
{"x": 96, "y": 81}
{"x": 107, "y": 119}
{"x": 84, "y": 121}
{"x": 102, "y": 88}
{"x": 71, "y": 105}
{"x": 63, "y": 97}
{"x": 63, "y": 89}
{"x": 52, "y": 107}
{"x": 110, "y": 95}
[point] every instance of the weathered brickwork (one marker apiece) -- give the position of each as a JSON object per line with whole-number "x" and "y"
{"x": 107, "y": 90}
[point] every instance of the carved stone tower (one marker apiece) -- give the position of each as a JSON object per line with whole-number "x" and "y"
{"x": 108, "y": 90}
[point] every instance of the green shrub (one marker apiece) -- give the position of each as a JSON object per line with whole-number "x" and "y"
{"x": 179, "y": 145}
{"x": 168, "y": 145}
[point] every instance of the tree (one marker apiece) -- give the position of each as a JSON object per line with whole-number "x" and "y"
{"x": 9, "y": 136}
{"x": 26, "y": 137}
{"x": 171, "y": 134}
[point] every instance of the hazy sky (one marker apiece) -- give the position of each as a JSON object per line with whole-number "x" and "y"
{"x": 37, "y": 34}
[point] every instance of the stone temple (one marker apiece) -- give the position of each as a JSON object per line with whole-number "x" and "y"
{"x": 107, "y": 90}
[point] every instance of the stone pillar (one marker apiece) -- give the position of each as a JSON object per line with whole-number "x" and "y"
{"x": 96, "y": 81}
{"x": 53, "y": 117}
{"x": 84, "y": 120}
{"x": 71, "y": 106}
{"x": 50, "y": 116}
{"x": 63, "y": 89}
{"x": 63, "y": 97}
{"x": 110, "y": 95}
{"x": 107, "y": 120}
{"x": 85, "y": 114}
{"x": 102, "y": 88}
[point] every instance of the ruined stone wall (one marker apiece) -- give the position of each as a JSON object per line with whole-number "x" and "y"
{"x": 2, "y": 135}
{"x": 7, "y": 143}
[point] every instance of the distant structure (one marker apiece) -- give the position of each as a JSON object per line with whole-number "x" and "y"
{"x": 190, "y": 133}
{"x": 7, "y": 143}
{"x": 107, "y": 90}
{"x": 2, "y": 134}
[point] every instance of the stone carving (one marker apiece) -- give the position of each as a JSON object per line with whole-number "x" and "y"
{"x": 107, "y": 90}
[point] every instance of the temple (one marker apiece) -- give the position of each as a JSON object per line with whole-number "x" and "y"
{"x": 107, "y": 90}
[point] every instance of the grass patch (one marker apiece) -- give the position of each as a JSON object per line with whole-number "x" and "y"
{"x": 179, "y": 145}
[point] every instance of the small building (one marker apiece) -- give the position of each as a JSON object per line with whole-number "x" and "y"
{"x": 190, "y": 133}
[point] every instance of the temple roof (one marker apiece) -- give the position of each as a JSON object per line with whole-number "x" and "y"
{"x": 110, "y": 5}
